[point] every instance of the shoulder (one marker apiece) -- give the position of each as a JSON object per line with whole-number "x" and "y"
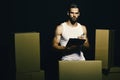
{"x": 84, "y": 27}
{"x": 59, "y": 28}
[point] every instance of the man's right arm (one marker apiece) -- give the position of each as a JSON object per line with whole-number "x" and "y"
{"x": 56, "y": 39}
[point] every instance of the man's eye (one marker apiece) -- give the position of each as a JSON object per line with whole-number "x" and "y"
{"x": 74, "y": 13}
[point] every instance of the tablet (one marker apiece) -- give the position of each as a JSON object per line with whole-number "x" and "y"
{"x": 75, "y": 41}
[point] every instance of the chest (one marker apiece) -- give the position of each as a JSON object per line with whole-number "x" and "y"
{"x": 72, "y": 32}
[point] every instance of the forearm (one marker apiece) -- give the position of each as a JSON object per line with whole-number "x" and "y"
{"x": 63, "y": 48}
{"x": 58, "y": 47}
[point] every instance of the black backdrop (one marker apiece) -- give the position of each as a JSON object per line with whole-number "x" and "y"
{"x": 43, "y": 16}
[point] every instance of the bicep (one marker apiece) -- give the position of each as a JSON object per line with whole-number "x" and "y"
{"x": 84, "y": 31}
{"x": 85, "y": 34}
{"x": 56, "y": 39}
{"x": 57, "y": 35}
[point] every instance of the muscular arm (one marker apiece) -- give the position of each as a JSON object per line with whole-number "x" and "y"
{"x": 57, "y": 37}
{"x": 86, "y": 43}
{"x": 56, "y": 40}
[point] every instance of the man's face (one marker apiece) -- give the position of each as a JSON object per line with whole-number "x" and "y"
{"x": 74, "y": 14}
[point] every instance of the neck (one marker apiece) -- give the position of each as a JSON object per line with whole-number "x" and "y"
{"x": 71, "y": 24}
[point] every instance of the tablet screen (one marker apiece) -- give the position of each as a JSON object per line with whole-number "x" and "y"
{"x": 75, "y": 41}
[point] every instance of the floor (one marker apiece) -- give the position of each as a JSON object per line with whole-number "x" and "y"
{"x": 113, "y": 74}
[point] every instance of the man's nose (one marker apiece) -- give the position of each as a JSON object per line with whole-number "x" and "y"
{"x": 74, "y": 15}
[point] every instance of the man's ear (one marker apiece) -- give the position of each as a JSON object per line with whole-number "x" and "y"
{"x": 79, "y": 14}
{"x": 68, "y": 13}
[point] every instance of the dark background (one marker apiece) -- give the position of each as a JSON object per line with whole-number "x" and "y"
{"x": 43, "y": 16}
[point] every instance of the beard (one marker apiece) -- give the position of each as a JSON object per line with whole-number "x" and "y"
{"x": 73, "y": 20}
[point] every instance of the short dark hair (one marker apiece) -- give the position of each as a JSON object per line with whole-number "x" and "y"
{"x": 73, "y": 5}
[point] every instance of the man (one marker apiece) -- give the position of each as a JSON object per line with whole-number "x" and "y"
{"x": 71, "y": 29}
